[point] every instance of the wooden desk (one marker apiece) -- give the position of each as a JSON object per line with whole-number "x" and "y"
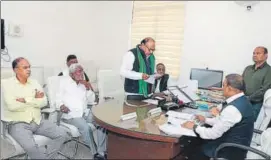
{"x": 132, "y": 140}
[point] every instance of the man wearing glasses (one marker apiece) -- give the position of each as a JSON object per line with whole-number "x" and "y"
{"x": 161, "y": 84}
{"x": 137, "y": 66}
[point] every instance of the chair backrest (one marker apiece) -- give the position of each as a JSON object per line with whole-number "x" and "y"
{"x": 264, "y": 116}
{"x": 267, "y": 103}
{"x": 266, "y": 141}
{"x": 110, "y": 84}
{"x": 52, "y": 89}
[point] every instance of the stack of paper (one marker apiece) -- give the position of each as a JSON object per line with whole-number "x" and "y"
{"x": 175, "y": 121}
{"x": 177, "y": 131}
{"x": 180, "y": 115}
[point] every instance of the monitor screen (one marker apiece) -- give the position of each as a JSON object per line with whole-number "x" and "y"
{"x": 2, "y": 34}
{"x": 207, "y": 78}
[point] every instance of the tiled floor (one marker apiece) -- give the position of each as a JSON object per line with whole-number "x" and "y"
{"x": 83, "y": 152}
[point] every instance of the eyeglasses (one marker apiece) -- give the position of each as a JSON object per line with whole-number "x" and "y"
{"x": 151, "y": 50}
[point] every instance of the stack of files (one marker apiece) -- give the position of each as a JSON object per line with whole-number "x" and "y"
{"x": 174, "y": 127}
{"x": 176, "y": 130}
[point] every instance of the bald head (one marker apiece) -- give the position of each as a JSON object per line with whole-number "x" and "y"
{"x": 148, "y": 45}
{"x": 147, "y": 39}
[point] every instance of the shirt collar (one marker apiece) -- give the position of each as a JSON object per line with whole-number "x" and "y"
{"x": 261, "y": 66}
{"x": 234, "y": 97}
{"x": 17, "y": 81}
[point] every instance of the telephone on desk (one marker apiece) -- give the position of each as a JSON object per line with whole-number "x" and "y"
{"x": 173, "y": 104}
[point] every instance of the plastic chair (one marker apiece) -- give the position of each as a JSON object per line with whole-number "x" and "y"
{"x": 110, "y": 85}
{"x": 19, "y": 151}
{"x": 264, "y": 117}
{"x": 259, "y": 152}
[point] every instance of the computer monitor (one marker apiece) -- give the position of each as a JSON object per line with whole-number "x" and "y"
{"x": 2, "y": 34}
{"x": 207, "y": 78}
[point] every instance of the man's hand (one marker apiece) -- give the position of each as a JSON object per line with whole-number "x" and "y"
{"x": 39, "y": 94}
{"x": 64, "y": 109}
{"x": 87, "y": 84}
{"x": 157, "y": 76}
{"x": 22, "y": 100}
{"x": 214, "y": 111}
{"x": 200, "y": 118}
{"x": 145, "y": 76}
{"x": 188, "y": 125}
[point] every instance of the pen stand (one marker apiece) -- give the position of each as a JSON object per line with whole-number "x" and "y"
{"x": 142, "y": 113}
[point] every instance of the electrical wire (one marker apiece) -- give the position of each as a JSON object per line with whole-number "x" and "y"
{"x": 5, "y": 55}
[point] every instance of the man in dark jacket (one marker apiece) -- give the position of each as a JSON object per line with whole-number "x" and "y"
{"x": 235, "y": 124}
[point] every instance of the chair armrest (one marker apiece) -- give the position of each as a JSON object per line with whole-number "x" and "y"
{"x": 59, "y": 115}
{"x": 45, "y": 107}
{"x": 90, "y": 105}
{"x": 48, "y": 110}
{"x": 4, "y": 127}
{"x": 257, "y": 131}
{"x": 223, "y": 145}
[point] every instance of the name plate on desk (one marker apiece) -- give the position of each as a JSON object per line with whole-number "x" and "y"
{"x": 155, "y": 111}
{"x": 128, "y": 116}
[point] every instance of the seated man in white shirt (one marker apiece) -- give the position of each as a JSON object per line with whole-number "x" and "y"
{"x": 161, "y": 84}
{"x": 72, "y": 99}
{"x": 71, "y": 59}
{"x": 234, "y": 124}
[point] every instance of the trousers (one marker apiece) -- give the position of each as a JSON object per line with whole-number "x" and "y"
{"x": 23, "y": 133}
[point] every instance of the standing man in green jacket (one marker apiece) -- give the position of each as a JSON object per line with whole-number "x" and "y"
{"x": 257, "y": 78}
{"x": 137, "y": 66}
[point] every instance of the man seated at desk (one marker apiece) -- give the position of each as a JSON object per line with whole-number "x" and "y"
{"x": 234, "y": 124}
{"x": 161, "y": 84}
{"x": 72, "y": 99}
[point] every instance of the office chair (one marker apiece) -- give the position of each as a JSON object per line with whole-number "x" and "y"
{"x": 42, "y": 141}
{"x": 110, "y": 85}
{"x": 264, "y": 117}
{"x": 257, "y": 152}
{"x": 52, "y": 87}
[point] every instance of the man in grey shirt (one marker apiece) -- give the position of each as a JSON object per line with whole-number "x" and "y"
{"x": 257, "y": 78}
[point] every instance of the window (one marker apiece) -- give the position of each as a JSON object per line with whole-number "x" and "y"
{"x": 163, "y": 21}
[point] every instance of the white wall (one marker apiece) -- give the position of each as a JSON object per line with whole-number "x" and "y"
{"x": 93, "y": 30}
{"x": 222, "y": 35}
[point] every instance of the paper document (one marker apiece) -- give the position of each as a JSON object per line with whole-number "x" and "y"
{"x": 151, "y": 101}
{"x": 180, "y": 115}
{"x": 177, "y": 131}
{"x": 152, "y": 78}
{"x": 175, "y": 121}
